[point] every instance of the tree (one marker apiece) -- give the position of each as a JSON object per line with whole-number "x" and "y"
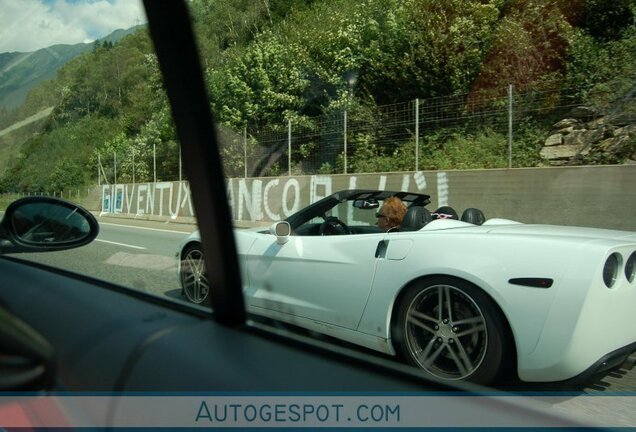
{"x": 529, "y": 47}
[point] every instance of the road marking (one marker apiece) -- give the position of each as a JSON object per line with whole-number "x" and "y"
{"x": 146, "y": 228}
{"x": 121, "y": 244}
{"x": 142, "y": 261}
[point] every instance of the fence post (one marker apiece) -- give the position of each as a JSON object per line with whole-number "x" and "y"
{"x": 115, "y": 165}
{"x": 289, "y": 147}
{"x": 509, "y": 125}
{"x": 132, "y": 150}
{"x": 154, "y": 162}
{"x": 417, "y": 133}
{"x": 345, "y": 140}
{"x": 244, "y": 151}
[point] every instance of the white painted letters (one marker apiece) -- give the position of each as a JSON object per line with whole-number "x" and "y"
{"x": 291, "y": 183}
{"x": 256, "y": 200}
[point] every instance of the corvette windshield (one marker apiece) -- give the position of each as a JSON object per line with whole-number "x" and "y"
{"x": 517, "y": 118}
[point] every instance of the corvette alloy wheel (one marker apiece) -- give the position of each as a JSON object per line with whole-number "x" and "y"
{"x": 451, "y": 329}
{"x": 193, "y": 278}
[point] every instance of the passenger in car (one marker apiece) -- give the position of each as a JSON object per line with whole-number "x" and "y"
{"x": 391, "y": 214}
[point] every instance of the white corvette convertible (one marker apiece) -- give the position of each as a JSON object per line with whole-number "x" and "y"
{"x": 463, "y": 298}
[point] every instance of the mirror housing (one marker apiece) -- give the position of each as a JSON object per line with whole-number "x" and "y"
{"x": 366, "y": 204}
{"x": 39, "y": 224}
{"x": 282, "y": 231}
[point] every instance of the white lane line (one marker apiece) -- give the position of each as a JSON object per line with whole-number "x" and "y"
{"x": 121, "y": 244}
{"x": 146, "y": 228}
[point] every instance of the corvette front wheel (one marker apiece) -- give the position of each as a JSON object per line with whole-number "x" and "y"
{"x": 192, "y": 275}
{"x": 451, "y": 329}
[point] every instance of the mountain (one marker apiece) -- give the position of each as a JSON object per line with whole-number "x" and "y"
{"x": 20, "y": 72}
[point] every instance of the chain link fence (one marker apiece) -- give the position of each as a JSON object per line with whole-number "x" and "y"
{"x": 503, "y": 129}
{"x": 345, "y": 141}
{"x": 85, "y": 196}
{"x": 401, "y": 134}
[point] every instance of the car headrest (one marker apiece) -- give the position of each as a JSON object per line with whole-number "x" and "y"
{"x": 415, "y": 218}
{"x": 445, "y": 212}
{"x": 473, "y": 216}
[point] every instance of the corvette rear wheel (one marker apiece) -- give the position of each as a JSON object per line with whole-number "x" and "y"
{"x": 193, "y": 278}
{"x": 451, "y": 329}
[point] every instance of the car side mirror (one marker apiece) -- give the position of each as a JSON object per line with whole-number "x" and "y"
{"x": 282, "y": 231}
{"x": 38, "y": 224}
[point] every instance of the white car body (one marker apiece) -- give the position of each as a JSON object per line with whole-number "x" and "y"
{"x": 339, "y": 285}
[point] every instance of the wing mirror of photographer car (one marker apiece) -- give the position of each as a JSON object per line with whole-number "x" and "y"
{"x": 282, "y": 231}
{"x": 38, "y": 224}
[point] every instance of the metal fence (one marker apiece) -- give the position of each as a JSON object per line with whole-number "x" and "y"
{"x": 339, "y": 142}
{"x": 328, "y": 144}
{"x": 87, "y": 196}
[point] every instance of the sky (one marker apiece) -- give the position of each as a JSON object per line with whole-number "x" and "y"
{"x": 28, "y": 25}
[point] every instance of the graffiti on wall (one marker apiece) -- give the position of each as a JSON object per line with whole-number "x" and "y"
{"x": 170, "y": 199}
{"x": 269, "y": 199}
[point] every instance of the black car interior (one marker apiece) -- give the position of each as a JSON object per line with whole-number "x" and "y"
{"x": 445, "y": 212}
{"x": 416, "y": 218}
{"x": 473, "y": 216}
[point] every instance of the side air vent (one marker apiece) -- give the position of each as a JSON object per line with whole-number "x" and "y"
{"x": 532, "y": 282}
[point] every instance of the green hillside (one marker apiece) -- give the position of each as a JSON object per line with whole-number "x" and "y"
{"x": 25, "y": 70}
{"x": 21, "y": 72}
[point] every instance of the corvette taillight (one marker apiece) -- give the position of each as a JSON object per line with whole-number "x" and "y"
{"x": 610, "y": 270}
{"x": 630, "y": 267}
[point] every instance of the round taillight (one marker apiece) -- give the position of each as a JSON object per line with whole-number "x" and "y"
{"x": 630, "y": 267}
{"x": 610, "y": 270}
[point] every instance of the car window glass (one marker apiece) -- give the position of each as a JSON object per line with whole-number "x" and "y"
{"x": 95, "y": 128}
{"x": 519, "y": 111}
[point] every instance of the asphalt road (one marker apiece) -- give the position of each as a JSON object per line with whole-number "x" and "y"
{"x": 140, "y": 255}
{"x": 135, "y": 254}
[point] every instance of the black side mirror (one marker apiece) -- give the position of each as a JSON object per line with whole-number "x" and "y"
{"x": 366, "y": 204}
{"x": 38, "y": 224}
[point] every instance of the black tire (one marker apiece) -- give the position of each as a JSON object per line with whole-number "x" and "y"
{"x": 467, "y": 343}
{"x": 192, "y": 276}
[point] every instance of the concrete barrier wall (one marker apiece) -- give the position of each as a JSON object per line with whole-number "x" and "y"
{"x": 603, "y": 196}
{"x": 584, "y": 196}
